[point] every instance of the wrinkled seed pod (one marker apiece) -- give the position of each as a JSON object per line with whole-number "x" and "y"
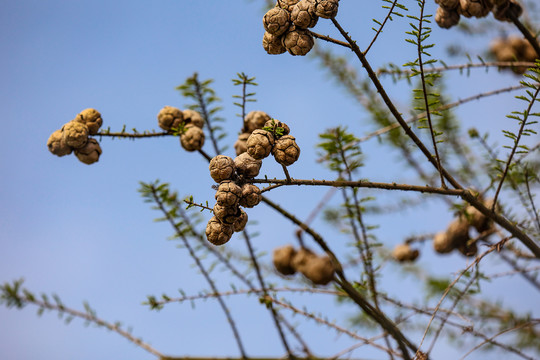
{"x": 468, "y": 249}
{"x": 448, "y": 4}
{"x": 276, "y": 124}
{"x": 272, "y": 44}
{"x": 170, "y": 117}
{"x": 89, "y": 153}
{"x": 240, "y": 146}
{"x": 477, "y": 219}
{"x": 226, "y": 214}
{"x": 251, "y": 196}
{"x": 506, "y": 54}
{"x": 319, "y": 270}
{"x": 504, "y": 9}
{"x": 91, "y": 118}
{"x": 57, "y": 145}
{"x": 193, "y": 138}
{"x": 193, "y": 117}
{"x": 285, "y": 150}
{"x": 298, "y": 42}
{"x": 259, "y": 144}
{"x": 518, "y": 44}
{"x": 282, "y": 258}
{"x": 404, "y": 253}
{"x": 228, "y": 193}
{"x": 276, "y": 21}
{"x": 255, "y": 120}
{"x": 218, "y": 233}
{"x": 287, "y": 4}
{"x": 221, "y": 168}
{"x": 301, "y": 258}
{"x": 442, "y": 243}
{"x": 476, "y": 8}
{"x": 303, "y": 14}
{"x": 247, "y": 166}
{"x": 529, "y": 54}
{"x": 75, "y": 134}
{"x": 446, "y": 18}
{"x": 240, "y": 222}
{"x": 326, "y": 8}
{"x": 458, "y": 231}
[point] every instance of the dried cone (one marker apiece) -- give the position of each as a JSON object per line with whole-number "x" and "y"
{"x": 218, "y": 233}
{"x": 272, "y": 44}
{"x": 282, "y": 257}
{"x": 259, "y": 144}
{"x": 504, "y": 10}
{"x": 326, "y": 8}
{"x": 446, "y": 18}
{"x": 529, "y": 54}
{"x": 251, "y": 196}
{"x": 221, "y": 168}
{"x": 286, "y": 151}
{"x": 478, "y": 220}
{"x": 448, "y": 4}
{"x": 468, "y": 249}
{"x": 57, "y": 145}
{"x": 240, "y": 222}
{"x": 404, "y": 253}
{"x": 458, "y": 231}
{"x": 75, "y": 134}
{"x": 193, "y": 138}
{"x": 301, "y": 259}
{"x": 193, "y": 117}
{"x": 228, "y": 194}
{"x": 170, "y": 117}
{"x": 89, "y": 153}
{"x": 91, "y": 118}
{"x": 476, "y": 8}
{"x": 247, "y": 166}
{"x": 298, "y": 41}
{"x": 276, "y": 21}
{"x": 277, "y": 127}
{"x": 442, "y": 243}
{"x": 255, "y": 120}
{"x": 240, "y": 146}
{"x": 226, "y": 214}
{"x": 303, "y": 14}
{"x": 319, "y": 270}
{"x": 287, "y": 4}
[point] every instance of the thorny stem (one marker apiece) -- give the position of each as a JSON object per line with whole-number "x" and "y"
{"x": 329, "y": 39}
{"x": 205, "y": 114}
{"x": 132, "y": 135}
{"x": 531, "y": 200}
{"x": 437, "y": 69}
{"x": 388, "y": 16}
{"x": 530, "y": 38}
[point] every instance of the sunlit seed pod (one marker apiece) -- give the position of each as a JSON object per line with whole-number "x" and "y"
{"x": 240, "y": 146}
{"x": 319, "y": 269}
{"x": 478, "y": 220}
{"x": 259, "y": 144}
{"x": 475, "y": 8}
{"x": 273, "y": 44}
{"x": 278, "y": 128}
{"x": 170, "y": 117}
{"x": 442, "y": 243}
{"x": 251, "y": 196}
{"x": 193, "y": 138}
{"x": 303, "y": 14}
{"x": 57, "y": 145}
{"x": 91, "y": 118}
{"x": 90, "y": 152}
{"x": 327, "y": 9}
{"x": 240, "y": 222}
{"x": 298, "y": 42}
{"x": 228, "y": 193}
{"x": 446, "y": 18}
{"x": 448, "y": 4}
{"x": 285, "y": 150}
{"x": 221, "y": 168}
{"x": 75, "y": 134}
{"x": 255, "y": 120}
{"x": 226, "y": 214}
{"x": 218, "y": 233}
{"x": 286, "y": 4}
{"x": 404, "y": 253}
{"x": 276, "y": 21}
{"x": 282, "y": 258}
{"x": 192, "y": 117}
{"x": 247, "y": 166}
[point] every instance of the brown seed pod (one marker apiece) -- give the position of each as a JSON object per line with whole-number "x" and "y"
{"x": 476, "y": 8}
{"x": 404, "y": 253}
{"x": 251, "y": 196}
{"x": 518, "y": 44}
{"x": 319, "y": 270}
{"x": 259, "y": 144}
{"x": 282, "y": 257}
{"x": 193, "y": 117}
{"x": 91, "y": 118}
{"x": 442, "y": 243}
{"x": 285, "y": 150}
{"x": 228, "y": 193}
{"x": 277, "y": 127}
{"x": 89, "y": 153}
{"x": 255, "y": 120}
{"x": 446, "y": 18}
{"x": 218, "y": 233}
{"x": 448, "y": 4}
{"x": 276, "y": 21}
{"x": 458, "y": 231}
{"x": 75, "y": 134}
{"x": 193, "y": 138}
{"x": 506, "y": 54}
{"x": 478, "y": 220}
{"x": 529, "y": 54}
{"x": 240, "y": 222}
{"x": 298, "y": 41}
{"x": 247, "y": 166}
{"x": 272, "y": 44}
{"x": 57, "y": 145}
{"x": 303, "y": 14}
{"x": 326, "y": 8}
{"x": 301, "y": 259}
{"x": 468, "y": 249}
{"x": 226, "y": 214}
{"x": 170, "y": 117}
{"x": 221, "y": 168}
{"x": 286, "y": 4}
{"x": 240, "y": 146}
{"x": 504, "y": 10}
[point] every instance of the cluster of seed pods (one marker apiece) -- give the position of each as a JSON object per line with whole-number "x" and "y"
{"x": 75, "y": 137}
{"x": 514, "y": 48}
{"x": 188, "y": 122}
{"x": 319, "y": 269}
{"x": 449, "y": 11}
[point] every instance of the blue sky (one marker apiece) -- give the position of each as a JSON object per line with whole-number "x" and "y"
{"x": 84, "y": 233}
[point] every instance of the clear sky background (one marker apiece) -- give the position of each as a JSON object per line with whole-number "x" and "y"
{"x": 84, "y": 233}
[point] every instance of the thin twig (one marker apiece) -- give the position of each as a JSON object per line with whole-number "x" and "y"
{"x": 530, "y": 38}
{"x": 388, "y": 16}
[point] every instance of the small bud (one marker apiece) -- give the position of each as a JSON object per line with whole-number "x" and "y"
{"x": 277, "y": 127}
